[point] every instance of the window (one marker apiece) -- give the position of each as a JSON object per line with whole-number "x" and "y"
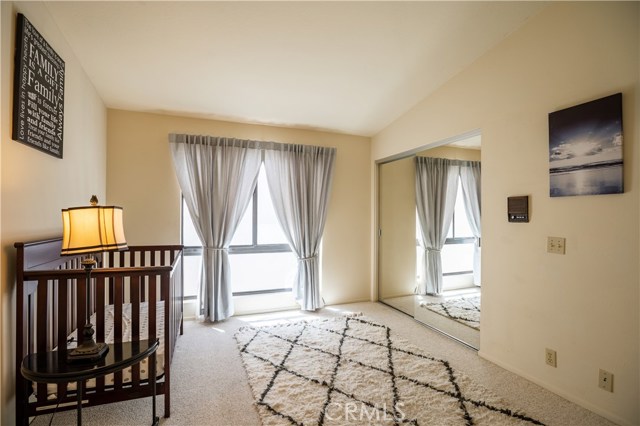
{"x": 260, "y": 257}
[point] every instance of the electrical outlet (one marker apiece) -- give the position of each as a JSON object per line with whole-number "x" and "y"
{"x": 550, "y": 357}
{"x": 605, "y": 380}
{"x": 555, "y": 245}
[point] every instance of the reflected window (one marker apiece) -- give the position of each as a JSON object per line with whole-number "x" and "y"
{"x": 457, "y": 253}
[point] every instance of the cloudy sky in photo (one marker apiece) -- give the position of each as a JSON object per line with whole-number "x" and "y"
{"x": 586, "y": 134}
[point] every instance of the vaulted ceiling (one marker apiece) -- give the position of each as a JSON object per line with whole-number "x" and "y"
{"x": 350, "y": 67}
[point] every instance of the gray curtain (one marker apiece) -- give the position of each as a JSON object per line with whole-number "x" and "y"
{"x": 217, "y": 177}
{"x": 436, "y": 188}
{"x": 470, "y": 182}
{"x": 299, "y": 179}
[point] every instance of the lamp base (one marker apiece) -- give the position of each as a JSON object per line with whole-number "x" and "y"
{"x": 88, "y": 352}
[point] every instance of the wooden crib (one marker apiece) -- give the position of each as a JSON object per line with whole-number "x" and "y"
{"x": 141, "y": 285}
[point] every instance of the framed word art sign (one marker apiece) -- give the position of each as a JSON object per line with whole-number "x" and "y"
{"x": 38, "y": 94}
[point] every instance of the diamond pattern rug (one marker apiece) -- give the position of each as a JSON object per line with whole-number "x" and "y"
{"x": 353, "y": 371}
{"x": 465, "y": 310}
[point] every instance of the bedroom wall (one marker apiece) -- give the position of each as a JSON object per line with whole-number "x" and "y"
{"x": 584, "y": 304}
{"x": 36, "y": 186}
{"x": 141, "y": 179}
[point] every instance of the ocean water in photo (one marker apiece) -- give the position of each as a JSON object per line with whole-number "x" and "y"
{"x": 589, "y": 181}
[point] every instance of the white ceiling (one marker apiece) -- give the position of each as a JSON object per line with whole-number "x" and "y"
{"x": 350, "y": 67}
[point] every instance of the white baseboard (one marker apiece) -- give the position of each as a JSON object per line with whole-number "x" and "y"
{"x": 560, "y": 392}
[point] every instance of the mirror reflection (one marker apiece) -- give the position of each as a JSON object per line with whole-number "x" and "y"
{"x": 429, "y": 247}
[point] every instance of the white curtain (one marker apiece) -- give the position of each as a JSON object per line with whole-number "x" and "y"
{"x": 470, "y": 182}
{"x": 217, "y": 177}
{"x": 299, "y": 179}
{"x": 436, "y": 188}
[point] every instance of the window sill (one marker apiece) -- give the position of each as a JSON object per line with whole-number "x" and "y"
{"x": 255, "y": 303}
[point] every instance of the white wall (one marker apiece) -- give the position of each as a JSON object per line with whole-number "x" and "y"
{"x": 585, "y": 304}
{"x": 36, "y": 186}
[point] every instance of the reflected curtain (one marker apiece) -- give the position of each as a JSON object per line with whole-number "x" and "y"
{"x": 436, "y": 188}
{"x": 217, "y": 177}
{"x": 470, "y": 177}
{"x": 299, "y": 179}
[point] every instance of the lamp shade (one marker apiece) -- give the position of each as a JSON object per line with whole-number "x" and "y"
{"x": 92, "y": 229}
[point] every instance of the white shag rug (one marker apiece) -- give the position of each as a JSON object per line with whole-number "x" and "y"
{"x": 353, "y": 371}
{"x": 465, "y": 310}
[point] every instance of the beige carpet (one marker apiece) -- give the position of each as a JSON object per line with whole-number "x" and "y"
{"x": 465, "y": 310}
{"x": 210, "y": 385}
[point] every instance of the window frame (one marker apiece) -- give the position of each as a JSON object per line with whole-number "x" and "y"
{"x": 253, "y": 248}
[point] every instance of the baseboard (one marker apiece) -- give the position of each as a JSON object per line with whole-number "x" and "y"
{"x": 350, "y": 301}
{"x": 242, "y": 312}
{"x": 562, "y": 393}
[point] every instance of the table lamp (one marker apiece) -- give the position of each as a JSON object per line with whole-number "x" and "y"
{"x": 87, "y": 230}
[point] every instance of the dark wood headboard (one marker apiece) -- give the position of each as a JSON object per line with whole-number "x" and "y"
{"x": 43, "y": 255}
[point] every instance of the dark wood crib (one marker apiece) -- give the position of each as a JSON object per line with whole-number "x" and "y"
{"x": 51, "y": 304}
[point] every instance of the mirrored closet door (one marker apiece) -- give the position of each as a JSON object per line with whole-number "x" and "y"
{"x": 453, "y": 308}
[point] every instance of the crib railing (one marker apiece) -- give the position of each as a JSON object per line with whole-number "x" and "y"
{"x": 51, "y": 304}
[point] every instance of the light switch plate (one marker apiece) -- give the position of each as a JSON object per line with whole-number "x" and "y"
{"x": 556, "y": 245}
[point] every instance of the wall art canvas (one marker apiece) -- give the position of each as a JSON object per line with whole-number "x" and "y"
{"x": 585, "y": 148}
{"x": 38, "y": 98}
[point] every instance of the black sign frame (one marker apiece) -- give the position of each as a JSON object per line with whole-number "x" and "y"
{"x": 38, "y": 91}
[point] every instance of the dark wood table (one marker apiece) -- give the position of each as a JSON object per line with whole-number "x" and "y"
{"x": 52, "y": 367}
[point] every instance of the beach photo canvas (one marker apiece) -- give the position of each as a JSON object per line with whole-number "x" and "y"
{"x": 585, "y": 148}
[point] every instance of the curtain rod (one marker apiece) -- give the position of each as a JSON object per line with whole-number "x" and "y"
{"x": 183, "y": 138}
{"x": 421, "y": 159}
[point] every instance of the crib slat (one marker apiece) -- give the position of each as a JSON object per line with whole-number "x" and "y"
{"x": 62, "y": 315}
{"x": 117, "y": 323}
{"x": 41, "y": 327}
{"x": 42, "y": 392}
{"x": 117, "y": 309}
{"x": 135, "y": 323}
{"x": 135, "y": 307}
{"x": 101, "y": 288}
{"x": 81, "y": 307}
{"x": 153, "y": 298}
{"x": 52, "y": 336}
{"x": 61, "y": 390}
{"x": 110, "y": 289}
{"x": 100, "y": 312}
{"x": 117, "y": 376}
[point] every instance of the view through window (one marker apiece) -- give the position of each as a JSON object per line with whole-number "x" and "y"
{"x": 260, "y": 257}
